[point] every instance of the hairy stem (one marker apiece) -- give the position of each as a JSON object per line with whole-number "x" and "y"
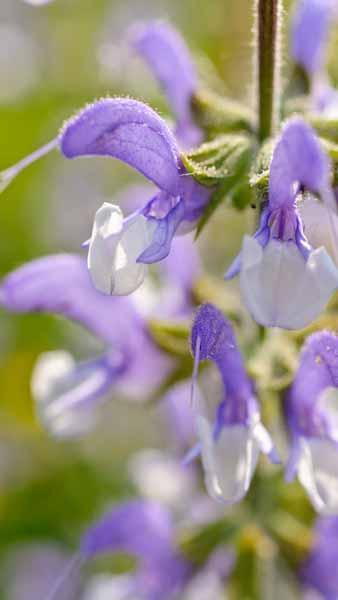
{"x": 268, "y": 49}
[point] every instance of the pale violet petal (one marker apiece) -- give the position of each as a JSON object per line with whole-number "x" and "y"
{"x": 328, "y": 404}
{"x": 206, "y": 584}
{"x": 318, "y": 473}
{"x": 319, "y": 225}
{"x": 110, "y": 587}
{"x": 61, "y": 395}
{"x": 128, "y": 274}
{"x": 229, "y": 462}
{"x": 280, "y": 288}
{"x": 107, "y": 231}
{"x": 160, "y": 477}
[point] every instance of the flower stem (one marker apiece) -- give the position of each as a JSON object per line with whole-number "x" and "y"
{"x": 268, "y": 48}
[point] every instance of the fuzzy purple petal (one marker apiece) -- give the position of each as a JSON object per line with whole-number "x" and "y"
{"x": 297, "y": 159}
{"x": 61, "y": 284}
{"x": 130, "y": 131}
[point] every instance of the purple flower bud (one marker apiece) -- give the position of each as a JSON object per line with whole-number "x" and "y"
{"x": 278, "y": 268}
{"x": 313, "y": 421}
{"x": 167, "y": 56}
{"x": 230, "y": 444}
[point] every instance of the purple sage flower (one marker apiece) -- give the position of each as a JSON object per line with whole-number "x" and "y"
{"x": 128, "y": 130}
{"x": 168, "y": 58}
{"x": 132, "y": 132}
{"x": 230, "y": 444}
{"x": 313, "y": 421}
{"x": 284, "y": 281}
{"x": 145, "y": 530}
{"x": 67, "y": 393}
{"x": 319, "y": 570}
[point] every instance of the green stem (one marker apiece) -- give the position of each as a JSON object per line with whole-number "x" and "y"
{"x": 268, "y": 42}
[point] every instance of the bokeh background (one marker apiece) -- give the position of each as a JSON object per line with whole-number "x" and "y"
{"x": 54, "y": 59}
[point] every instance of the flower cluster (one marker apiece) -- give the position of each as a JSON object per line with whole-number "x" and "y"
{"x": 153, "y": 333}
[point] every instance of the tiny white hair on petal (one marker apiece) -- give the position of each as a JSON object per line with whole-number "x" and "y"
{"x": 317, "y": 471}
{"x": 280, "y": 288}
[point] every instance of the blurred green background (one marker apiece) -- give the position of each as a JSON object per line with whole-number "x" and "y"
{"x": 54, "y": 59}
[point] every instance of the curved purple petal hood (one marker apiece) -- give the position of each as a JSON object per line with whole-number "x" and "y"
{"x": 129, "y": 131}
{"x": 298, "y": 158}
{"x": 167, "y": 56}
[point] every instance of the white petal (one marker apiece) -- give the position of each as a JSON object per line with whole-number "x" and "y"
{"x": 207, "y": 584}
{"x": 280, "y": 288}
{"x": 229, "y": 463}
{"x": 328, "y": 403}
{"x": 127, "y": 273}
{"x": 160, "y": 477}
{"x": 318, "y": 224}
{"x": 109, "y": 587}
{"x": 107, "y": 231}
{"x": 59, "y": 394}
{"x": 318, "y": 473}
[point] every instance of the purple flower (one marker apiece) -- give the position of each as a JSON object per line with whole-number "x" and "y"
{"x": 313, "y": 421}
{"x": 145, "y": 530}
{"x": 230, "y": 443}
{"x": 310, "y": 31}
{"x": 68, "y": 393}
{"x": 319, "y": 570}
{"x": 284, "y": 282}
{"x": 167, "y": 56}
{"x": 311, "y": 26}
{"x": 132, "y": 132}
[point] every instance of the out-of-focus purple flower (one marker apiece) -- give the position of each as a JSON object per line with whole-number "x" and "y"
{"x": 230, "y": 443}
{"x": 310, "y": 31}
{"x": 311, "y": 26}
{"x": 67, "y": 393}
{"x": 319, "y": 571}
{"x": 145, "y": 530}
{"x": 284, "y": 281}
{"x": 29, "y": 572}
{"x": 313, "y": 420}
{"x": 132, "y": 132}
{"x": 179, "y": 413}
{"x": 167, "y": 56}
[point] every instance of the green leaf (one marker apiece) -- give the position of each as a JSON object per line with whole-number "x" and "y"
{"x": 198, "y": 545}
{"x": 223, "y": 163}
{"x": 214, "y": 161}
{"x": 170, "y": 336}
{"x": 216, "y": 114}
{"x": 326, "y": 128}
{"x": 259, "y": 177}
